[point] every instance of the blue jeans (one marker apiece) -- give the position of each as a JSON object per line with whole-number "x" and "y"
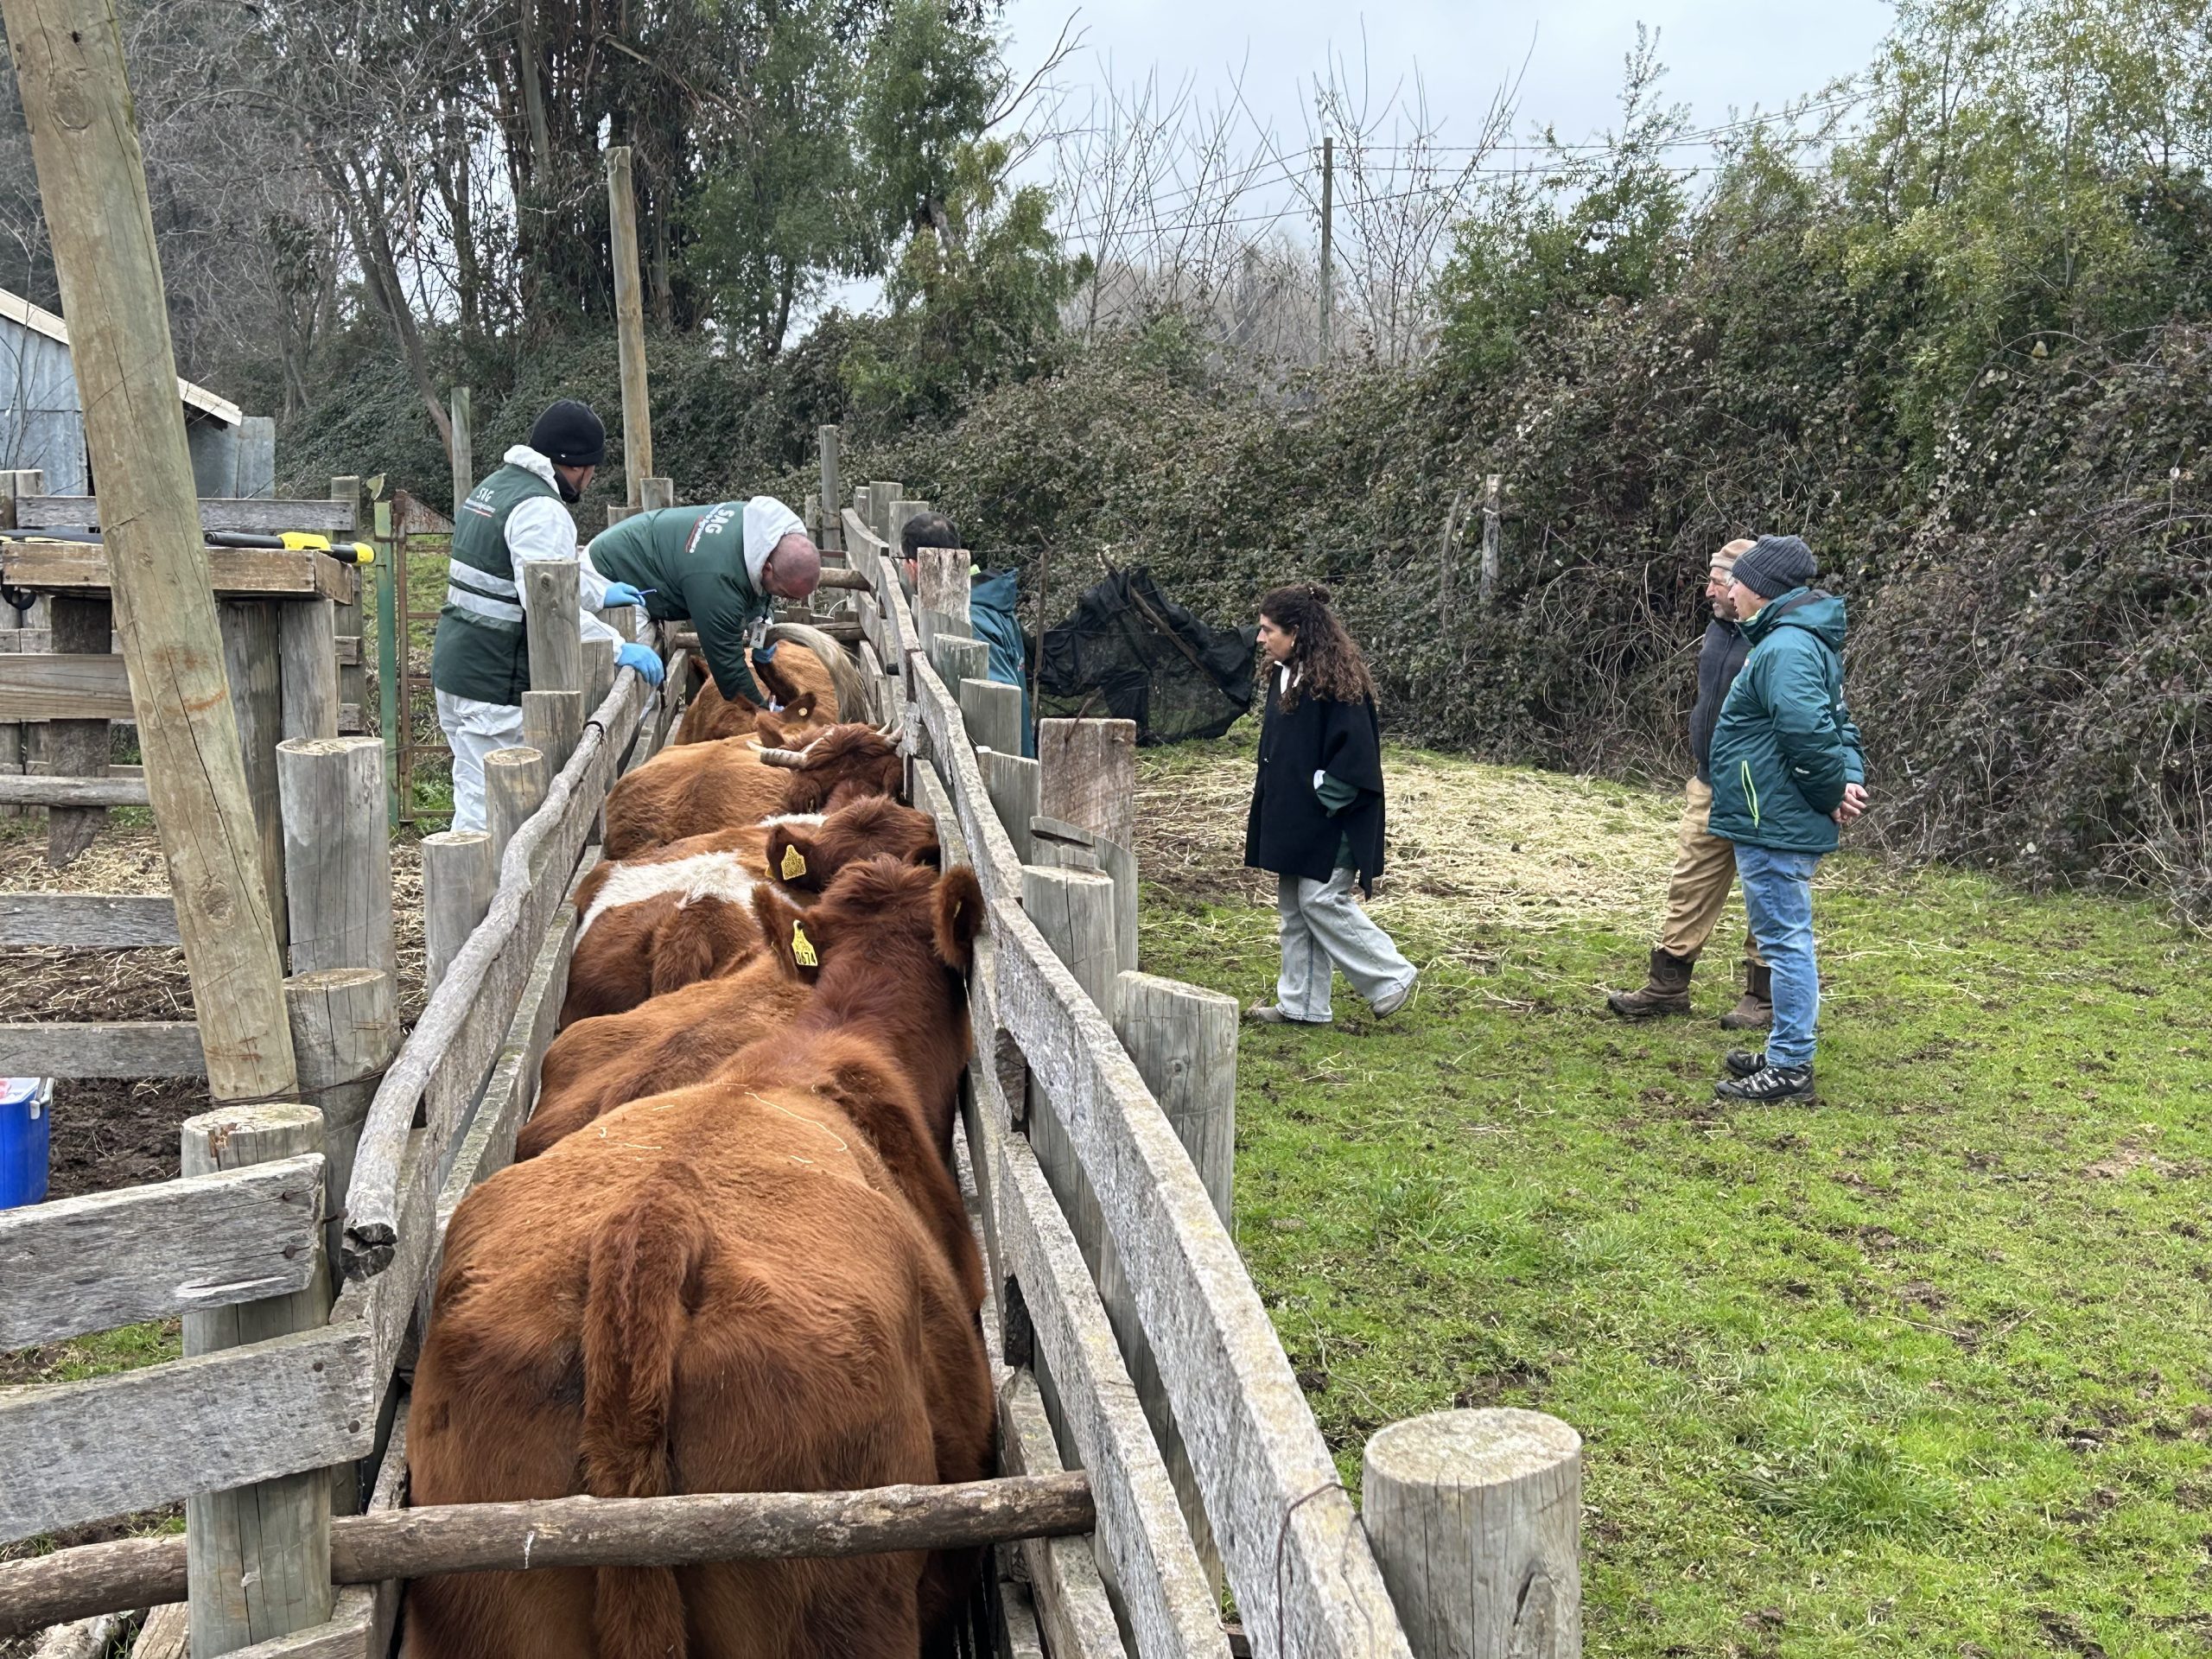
{"x": 1778, "y": 896}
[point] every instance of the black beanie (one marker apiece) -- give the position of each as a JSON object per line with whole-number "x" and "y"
{"x": 569, "y": 434}
{"x": 1775, "y": 565}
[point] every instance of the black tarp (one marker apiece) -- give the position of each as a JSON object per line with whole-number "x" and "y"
{"x": 1129, "y": 652}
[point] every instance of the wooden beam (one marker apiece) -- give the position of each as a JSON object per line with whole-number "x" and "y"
{"x": 92, "y": 921}
{"x": 92, "y": 179}
{"x": 1090, "y": 775}
{"x": 629, "y": 325}
{"x": 258, "y": 1554}
{"x": 150, "y": 1252}
{"x": 77, "y": 743}
{"x": 687, "y": 1530}
{"x": 41, "y": 789}
{"x": 68, "y": 688}
{"x": 137, "y": 1048}
{"x": 77, "y": 1451}
{"x": 335, "y": 518}
{"x": 230, "y": 572}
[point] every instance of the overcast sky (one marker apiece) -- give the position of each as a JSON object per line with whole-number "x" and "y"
{"x": 1723, "y": 56}
{"x": 1720, "y": 53}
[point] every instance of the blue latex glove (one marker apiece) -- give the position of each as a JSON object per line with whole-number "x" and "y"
{"x": 766, "y": 653}
{"x": 644, "y": 659}
{"x": 620, "y": 593}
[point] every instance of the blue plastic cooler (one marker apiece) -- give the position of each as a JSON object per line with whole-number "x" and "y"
{"x": 25, "y": 1118}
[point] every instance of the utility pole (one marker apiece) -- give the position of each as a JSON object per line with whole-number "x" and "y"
{"x": 1328, "y": 217}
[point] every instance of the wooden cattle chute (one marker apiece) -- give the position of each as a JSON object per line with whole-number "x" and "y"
{"x": 1136, "y": 1342}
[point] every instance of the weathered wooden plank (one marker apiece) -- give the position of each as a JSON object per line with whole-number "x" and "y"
{"x": 93, "y": 921}
{"x": 66, "y": 686}
{"x": 139, "y": 1048}
{"x": 990, "y": 847}
{"x": 38, "y": 789}
{"x": 482, "y": 986}
{"x": 1072, "y": 1609}
{"x": 257, "y": 518}
{"x": 233, "y": 572}
{"x": 1140, "y": 1530}
{"x": 91, "y": 1263}
{"x": 1089, "y": 774}
{"x": 76, "y": 1452}
{"x": 385, "y": 1305}
{"x": 1290, "y": 1541}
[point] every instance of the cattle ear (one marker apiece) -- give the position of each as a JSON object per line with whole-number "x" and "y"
{"x": 786, "y": 931}
{"x": 931, "y": 855}
{"x": 800, "y": 707}
{"x": 701, "y": 674}
{"x": 959, "y": 917}
{"x": 794, "y": 859}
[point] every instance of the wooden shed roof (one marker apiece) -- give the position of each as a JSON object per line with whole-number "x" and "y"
{"x": 15, "y": 308}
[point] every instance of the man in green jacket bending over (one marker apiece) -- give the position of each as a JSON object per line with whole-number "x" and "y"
{"x": 723, "y": 566}
{"x": 1786, "y": 775}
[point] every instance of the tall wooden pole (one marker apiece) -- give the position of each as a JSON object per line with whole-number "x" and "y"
{"x": 1328, "y": 237}
{"x": 92, "y": 179}
{"x": 630, "y": 325}
{"x": 464, "y": 449}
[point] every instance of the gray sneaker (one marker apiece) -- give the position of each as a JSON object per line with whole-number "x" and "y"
{"x": 1270, "y": 1014}
{"x": 1391, "y": 1001}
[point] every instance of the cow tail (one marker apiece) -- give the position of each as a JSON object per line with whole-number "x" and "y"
{"x": 646, "y": 1262}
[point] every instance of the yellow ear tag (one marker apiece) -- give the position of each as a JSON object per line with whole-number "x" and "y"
{"x": 803, "y": 948}
{"x": 794, "y": 863}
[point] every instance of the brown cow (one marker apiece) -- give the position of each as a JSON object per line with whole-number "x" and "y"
{"x": 682, "y": 912}
{"x": 764, "y": 1283}
{"x": 701, "y": 787}
{"x": 807, "y": 664}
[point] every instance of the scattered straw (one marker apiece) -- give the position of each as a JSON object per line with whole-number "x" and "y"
{"x": 1469, "y": 843}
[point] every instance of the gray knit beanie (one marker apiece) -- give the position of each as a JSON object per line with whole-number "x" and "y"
{"x": 1775, "y": 565}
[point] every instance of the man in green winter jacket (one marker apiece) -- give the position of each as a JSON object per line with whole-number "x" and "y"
{"x": 723, "y": 566}
{"x": 1787, "y": 774}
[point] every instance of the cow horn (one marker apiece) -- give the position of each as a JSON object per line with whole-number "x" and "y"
{"x": 788, "y": 757}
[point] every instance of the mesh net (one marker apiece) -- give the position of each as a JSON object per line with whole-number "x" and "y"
{"x": 1130, "y": 652}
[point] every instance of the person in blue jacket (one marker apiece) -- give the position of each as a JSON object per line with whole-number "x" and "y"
{"x": 1788, "y": 773}
{"x": 991, "y": 610}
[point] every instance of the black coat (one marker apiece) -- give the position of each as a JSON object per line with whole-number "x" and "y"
{"x": 1289, "y": 830}
{"x": 1719, "y": 659}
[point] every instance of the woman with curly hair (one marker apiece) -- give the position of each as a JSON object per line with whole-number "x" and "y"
{"x": 1316, "y": 812}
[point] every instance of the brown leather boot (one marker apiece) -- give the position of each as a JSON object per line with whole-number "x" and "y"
{"x": 1667, "y": 990}
{"x": 1755, "y": 1011}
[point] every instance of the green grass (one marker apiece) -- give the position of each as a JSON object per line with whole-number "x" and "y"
{"x": 1926, "y": 1368}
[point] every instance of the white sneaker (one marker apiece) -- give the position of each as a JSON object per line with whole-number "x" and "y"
{"x": 1390, "y": 1002}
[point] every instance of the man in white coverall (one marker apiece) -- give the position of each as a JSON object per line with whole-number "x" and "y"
{"x": 480, "y": 666}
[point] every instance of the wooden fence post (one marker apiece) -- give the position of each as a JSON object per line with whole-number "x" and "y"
{"x": 515, "y": 782}
{"x": 1090, "y": 775}
{"x": 77, "y": 748}
{"x": 1011, "y": 782}
{"x": 656, "y": 493}
{"x": 253, "y": 658}
{"x": 556, "y": 652}
{"x": 307, "y": 675}
{"x": 258, "y": 1557}
{"x": 940, "y": 584}
{"x": 346, "y": 618}
{"x": 1074, "y": 910}
{"x": 1490, "y": 536}
{"x": 11, "y": 732}
{"x": 629, "y": 325}
{"x": 337, "y": 854}
{"x": 833, "y": 528}
{"x": 956, "y": 658}
{"x": 1475, "y": 1517}
{"x": 463, "y": 457}
{"x": 345, "y": 1030}
{"x": 460, "y": 874}
{"x": 91, "y": 177}
{"x": 392, "y": 645}
{"x": 882, "y": 494}
{"x": 1184, "y": 1042}
{"x": 992, "y": 712}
